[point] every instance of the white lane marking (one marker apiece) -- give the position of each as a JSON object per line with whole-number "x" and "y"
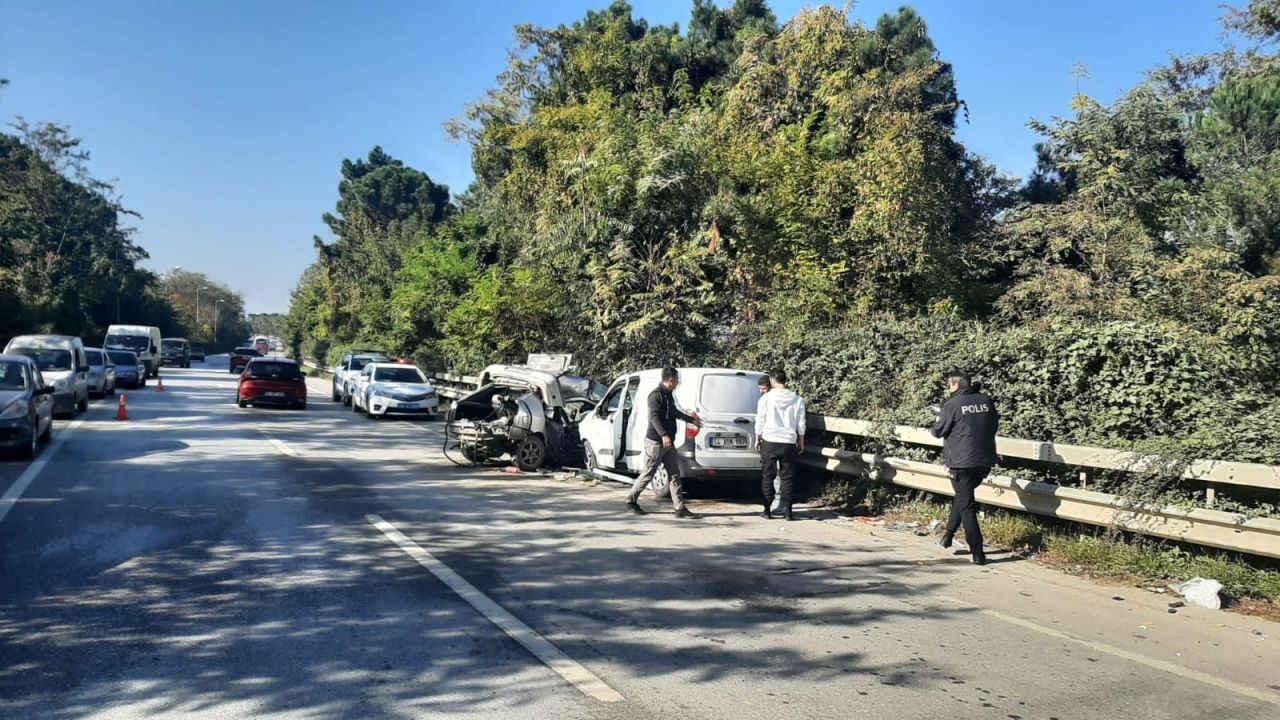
{"x": 280, "y": 445}
{"x": 549, "y": 654}
{"x": 19, "y": 486}
{"x": 1155, "y": 663}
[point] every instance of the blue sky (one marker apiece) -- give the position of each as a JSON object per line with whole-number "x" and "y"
{"x": 225, "y": 122}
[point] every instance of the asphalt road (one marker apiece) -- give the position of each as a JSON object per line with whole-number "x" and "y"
{"x": 200, "y": 560}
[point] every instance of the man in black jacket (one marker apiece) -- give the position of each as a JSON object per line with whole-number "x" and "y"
{"x": 659, "y": 444}
{"x": 967, "y": 422}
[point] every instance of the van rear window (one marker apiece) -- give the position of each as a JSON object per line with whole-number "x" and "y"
{"x": 729, "y": 393}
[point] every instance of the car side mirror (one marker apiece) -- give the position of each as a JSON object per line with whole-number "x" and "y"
{"x": 46, "y": 390}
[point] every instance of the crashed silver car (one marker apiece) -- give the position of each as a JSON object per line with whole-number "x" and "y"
{"x": 531, "y": 415}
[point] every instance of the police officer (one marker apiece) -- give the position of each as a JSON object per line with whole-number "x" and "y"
{"x": 967, "y": 422}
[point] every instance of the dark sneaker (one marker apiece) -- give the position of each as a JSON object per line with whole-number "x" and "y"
{"x": 766, "y": 514}
{"x": 786, "y": 515}
{"x": 683, "y": 512}
{"x": 635, "y": 508}
{"x": 979, "y": 558}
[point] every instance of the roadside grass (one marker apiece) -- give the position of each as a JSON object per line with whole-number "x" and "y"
{"x": 1094, "y": 553}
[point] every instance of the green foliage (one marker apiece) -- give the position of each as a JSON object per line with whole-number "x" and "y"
{"x": 68, "y": 263}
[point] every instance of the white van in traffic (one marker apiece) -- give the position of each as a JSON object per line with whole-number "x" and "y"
{"x": 62, "y": 364}
{"x": 142, "y": 340}
{"x": 723, "y": 398}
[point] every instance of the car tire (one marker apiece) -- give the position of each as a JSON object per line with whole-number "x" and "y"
{"x": 83, "y": 404}
{"x": 241, "y": 403}
{"x": 347, "y": 399}
{"x": 302, "y": 405}
{"x": 661, "y": 483}
{"x": 112, "y": 390}
{"x": 337, "y": 396}
{"x": 47, "y": 435}
{"x": 31, "y": 448}
{"x": 531, "y": 454}
{"x": 369, "y": 414}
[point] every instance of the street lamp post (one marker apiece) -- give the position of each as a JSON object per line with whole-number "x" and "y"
{"x": 198, "y": 289}
{"x": 215, "y": 321}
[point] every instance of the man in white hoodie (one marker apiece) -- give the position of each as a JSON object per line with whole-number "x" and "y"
{"x": 780, "y": 426}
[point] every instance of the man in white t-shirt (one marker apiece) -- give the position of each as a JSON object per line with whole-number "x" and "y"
{"x": 780, "y": 427}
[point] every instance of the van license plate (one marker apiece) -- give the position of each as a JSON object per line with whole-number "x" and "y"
{"x": 733, "y": 441}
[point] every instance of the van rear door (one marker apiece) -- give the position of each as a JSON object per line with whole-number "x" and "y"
{"x": 726, "y": 402}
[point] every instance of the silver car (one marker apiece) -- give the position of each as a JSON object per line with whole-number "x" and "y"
{"x": 26, "y": 405}
{"x": 102, "y": 373}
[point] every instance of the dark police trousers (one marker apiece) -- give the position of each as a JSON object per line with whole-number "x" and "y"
{"x": 964, "y": 509}
{"x": 779, "y": 461}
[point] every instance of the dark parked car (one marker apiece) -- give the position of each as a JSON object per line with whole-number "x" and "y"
{"x": 241, "y": 356}
{"x": 197, "y": 353}
{"x": 26, "y": 405}
{"x": 130, "y": 371}
{"x": 175, "y": 352}
{"x": 272, "y": 381}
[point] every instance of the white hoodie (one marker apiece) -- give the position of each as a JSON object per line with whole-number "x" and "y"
{"x": 780, "y": 416}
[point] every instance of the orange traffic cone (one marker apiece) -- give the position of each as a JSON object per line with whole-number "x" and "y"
{"x": 121, "y": 412}
{"x": 159, "y": 385}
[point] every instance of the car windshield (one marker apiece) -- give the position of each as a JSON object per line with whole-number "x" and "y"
{"x": 121, "y": 357}
{"x": 729, "y": 393}
{"x": 94, "y": 357}
{"x": 358, "y": 363}
{"x": 129, "y": 342}
{"x": 47, "y": 359}
{"x": 171, "y": 344}
{"x": 398, "y": 375}
{"x": 274, "y": 370}
{"x": 11, "y": 376}
{"x": 576, "y": 387}
{"x": 197, "y": 348}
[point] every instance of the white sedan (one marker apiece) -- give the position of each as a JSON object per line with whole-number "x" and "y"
{"x": 383, "y": 389}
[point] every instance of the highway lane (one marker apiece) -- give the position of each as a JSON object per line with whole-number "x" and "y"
{"x": 202, "y": 560}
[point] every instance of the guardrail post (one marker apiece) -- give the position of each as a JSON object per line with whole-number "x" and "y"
{"x": 1210, "y": 495}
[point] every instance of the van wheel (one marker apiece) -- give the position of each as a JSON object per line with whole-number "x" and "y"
{"x": 661, "y": 483}
{"x": 83, "y": 404}
{"x": 337, "y": 396}
{"x": 531, "y": 454}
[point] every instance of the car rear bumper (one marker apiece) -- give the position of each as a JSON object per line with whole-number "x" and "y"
{"x": 285, "y": 401}
{"x": 174, "y": 361}
{"x": 15, "y": 433}
{"x": 691, "y": 469}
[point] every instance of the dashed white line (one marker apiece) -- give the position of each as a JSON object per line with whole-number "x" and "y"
{"x": 549, "y": 654}
{"x": 19, "y": 486}
{"x": 280, "y": 445}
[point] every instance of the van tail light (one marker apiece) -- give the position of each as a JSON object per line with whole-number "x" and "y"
{"x": 691, "y": 430}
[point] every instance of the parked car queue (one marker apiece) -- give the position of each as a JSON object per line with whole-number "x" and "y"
{"x": 45, "y": 376}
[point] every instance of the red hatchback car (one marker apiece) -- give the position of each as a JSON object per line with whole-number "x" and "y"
{"x": 272, "y": 381}
{"x": 241, "y": 356}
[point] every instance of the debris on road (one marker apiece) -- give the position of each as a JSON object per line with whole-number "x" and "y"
{"x": 1201, "y": 592}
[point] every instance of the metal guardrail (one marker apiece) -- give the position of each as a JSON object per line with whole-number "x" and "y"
{"x": 1213, "y": 528}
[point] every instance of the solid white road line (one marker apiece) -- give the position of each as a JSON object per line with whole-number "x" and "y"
{"x": 19, "y": 486}
{"x": 1150, "y": 662}
{"x": 549, "y": 654}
